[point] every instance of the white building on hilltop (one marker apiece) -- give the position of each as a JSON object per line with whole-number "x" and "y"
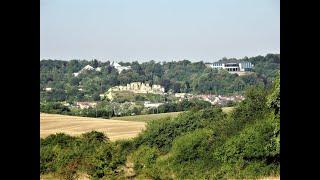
{"x": 233, "y": 67}
{"x": 86, "y": 68}
{"x": 118, "y": 67}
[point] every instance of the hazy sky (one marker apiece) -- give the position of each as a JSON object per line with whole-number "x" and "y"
{"x": 162, "y": 30}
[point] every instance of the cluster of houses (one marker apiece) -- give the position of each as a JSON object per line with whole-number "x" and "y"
{"x": 213, "y": 99}
{"x": 223, "y": 100}
{"x": 81, "y": 105}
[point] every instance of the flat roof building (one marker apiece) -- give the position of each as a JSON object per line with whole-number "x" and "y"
{"x": 233, "y": 67}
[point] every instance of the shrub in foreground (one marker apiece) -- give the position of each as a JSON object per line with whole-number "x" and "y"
{"x": 161, "y": 133}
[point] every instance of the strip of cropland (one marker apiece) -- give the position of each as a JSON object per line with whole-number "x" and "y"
{"x": 148, "y": 117}
{"x": 116, "y": 128}
{"x": 75, "y": 126}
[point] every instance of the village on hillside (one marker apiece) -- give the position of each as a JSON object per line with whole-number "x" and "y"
{"x": 145, "y": 88}
{"x": 140, "y": 88}
{"x": 107, "y": 89}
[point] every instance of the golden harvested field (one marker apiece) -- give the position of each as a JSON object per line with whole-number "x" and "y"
{"x": 73, "y": 125}
{"x": 115, "y": 128}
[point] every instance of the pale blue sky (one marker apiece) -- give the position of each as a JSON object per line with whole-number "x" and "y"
{"x": 162, "y": 30}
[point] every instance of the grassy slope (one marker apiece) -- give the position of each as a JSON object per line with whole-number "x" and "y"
{"x": 147, "y": 117}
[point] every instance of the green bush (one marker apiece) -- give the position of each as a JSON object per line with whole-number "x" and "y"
{"x": 92, "y": 153}
{"x": 144, "y": 159}
{"x": 47, "y": 157}
{"x": 161, "y": 133}
{"x": 98, "y": 163}
{"x": 250, "y": 150}
{"x": 67, "y": 163}
{"x": 54, "y": 107}
{"x": 59, "y": 139}
{"x": 95, "y": 136}
{"x": 192, "y": 146}
{"x": 123, "y": 148}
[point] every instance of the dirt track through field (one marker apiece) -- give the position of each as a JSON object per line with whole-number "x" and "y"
{"x": 72, "y": 125}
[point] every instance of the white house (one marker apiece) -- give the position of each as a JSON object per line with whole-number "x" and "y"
{"x": 87, "y": 68}
{"x": 233, "y": 67}
{"x": 119, "y": 68}
{"x": 86, "y": 105}
{"x": 148, "y": 104}
{"x": 48, "y": 89}
{"x": 216, "y": 100}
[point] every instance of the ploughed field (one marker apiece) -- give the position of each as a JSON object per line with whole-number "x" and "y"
{"x": 73, "y": 125}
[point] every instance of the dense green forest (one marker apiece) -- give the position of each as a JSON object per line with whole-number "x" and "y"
{"x": 198, "y": 144}
{"x": 181, "y": 76}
